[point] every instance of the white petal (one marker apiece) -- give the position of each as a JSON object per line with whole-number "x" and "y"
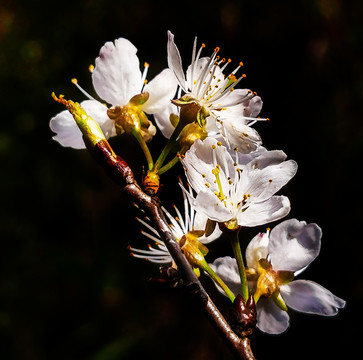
{"x": 175, "y": 62}
{"x": 309, "y": 297}
{"x": 257, "y": 249}
{"x": 267, "y": 158}
{"x": 236, "y": 97}
{"x": 238, "y": 135}
{"x": 68, "y": 133}
{"x": 200, "y": 221}
{"x": 226, "y": 268}
{"x": 270, "y": 318}
{"x": 261, "y": 184}
{"x": 253, "y": 107}
{"x": 208, "y": 203}
{"x": 161, "y": 91}
{"x": 262, "y": 213}
{"x": 116, "y": 76}
{"x": 294, "y": 245}
{"x": 202, "y": 158}
{"x": 162, "y": 119}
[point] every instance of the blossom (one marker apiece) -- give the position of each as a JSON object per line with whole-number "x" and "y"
{"x": 117, "y": 79}
{"x": 228, "y": 111}
{"x": 233, "y": 193}
{"x": 273, "y": 260}
{"x": 180, "y": 225}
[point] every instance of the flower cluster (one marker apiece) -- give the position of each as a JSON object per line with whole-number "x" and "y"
{"x": 233, "y": 180}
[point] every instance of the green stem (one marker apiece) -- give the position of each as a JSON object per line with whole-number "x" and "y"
{"x": 241, "y": 267}
{"x": 218, "y": 280}
{"x": 169, "y": 165}
{"x": 145, "y": 149}
{"x": 169, "y": 145}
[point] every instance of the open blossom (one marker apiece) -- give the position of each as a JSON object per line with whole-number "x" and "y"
{"x": 233, "y": 193}
{"x": 117, "y": 79}
{"x": 180, "y": 225}
{"x": 228, "y": 111}
{"x": 273, "y": 260}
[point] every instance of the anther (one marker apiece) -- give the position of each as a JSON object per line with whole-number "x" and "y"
{"x": 91, "y": 68}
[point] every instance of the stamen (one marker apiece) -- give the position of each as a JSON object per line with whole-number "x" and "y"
{"x": 84, "y": 92}
{"x": 91, "y": 68}
{"x": 219, "y": 194}
{"x": 143, "y": 78}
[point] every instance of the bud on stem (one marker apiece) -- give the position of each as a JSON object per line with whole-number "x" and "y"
{"x": 91, "y": 131}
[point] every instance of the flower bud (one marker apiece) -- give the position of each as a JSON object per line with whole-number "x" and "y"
{"x": 189, "y": 134}
{"x": 91, "y": 131}
{"x": 243, "y": 316}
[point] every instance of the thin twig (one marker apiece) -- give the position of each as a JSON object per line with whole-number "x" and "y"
{"x": 120, "y": 172}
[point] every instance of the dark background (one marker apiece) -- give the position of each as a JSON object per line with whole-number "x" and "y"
{"x": 68, "y": 286}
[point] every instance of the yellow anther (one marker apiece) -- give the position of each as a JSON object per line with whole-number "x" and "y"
{"x": 146, "y": 64}
{"x": 74, "y": 81}
{"x": 203, "y": 45}
{"x": 241, "y": 63}
{"x": 91, "y": 68}
{"x": 213, "y": 147}
{"x": 217, "y": 49}
{"x": 219, "y": 143}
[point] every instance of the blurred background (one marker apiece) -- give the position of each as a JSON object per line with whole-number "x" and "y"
{"x": 69, "y": 288}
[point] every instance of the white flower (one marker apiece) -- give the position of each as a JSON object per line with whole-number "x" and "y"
{"x": 230, "y": 192}
{"x": 116, "y": 79}
{"x": 179, "y": 226}
{"x": 273, "y": 259}
{"x": 230, "y": 111}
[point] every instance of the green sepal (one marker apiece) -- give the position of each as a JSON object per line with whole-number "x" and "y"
{"x": 279, "y": 301}
{"x": 285, "y": 276}
{"x": 184, "y": 100}
{"x": 139, "y": 99}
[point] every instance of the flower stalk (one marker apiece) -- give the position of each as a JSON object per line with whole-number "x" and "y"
{"x": 234, "y": 238}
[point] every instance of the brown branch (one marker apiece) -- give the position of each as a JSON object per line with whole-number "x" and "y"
{"x": 119, "y": 171}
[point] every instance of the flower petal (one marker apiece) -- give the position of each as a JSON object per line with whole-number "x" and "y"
{"x": 270, "y": 318}
{"x": 200, "y": 221}
{"x": 237, "y": 134}
{"x": 263, "y": 183}
{"x": 264, "y": 212}
{"x": 257, "y": 249}
{"x": 163, "y": 122}
{"x": 116, "y": 76}
{"x": 161, "y": 91}
{"x": 175, "y": 62}
{"x": 202, "y": 158}
{"x": 208, "y": 203}
{"x": 236, "y": 97}
{"x": 226, "y": 268}
{"x": 294, "y": 245}
{"x": 310, "y": 297}
{"x": 68, "y": 133}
